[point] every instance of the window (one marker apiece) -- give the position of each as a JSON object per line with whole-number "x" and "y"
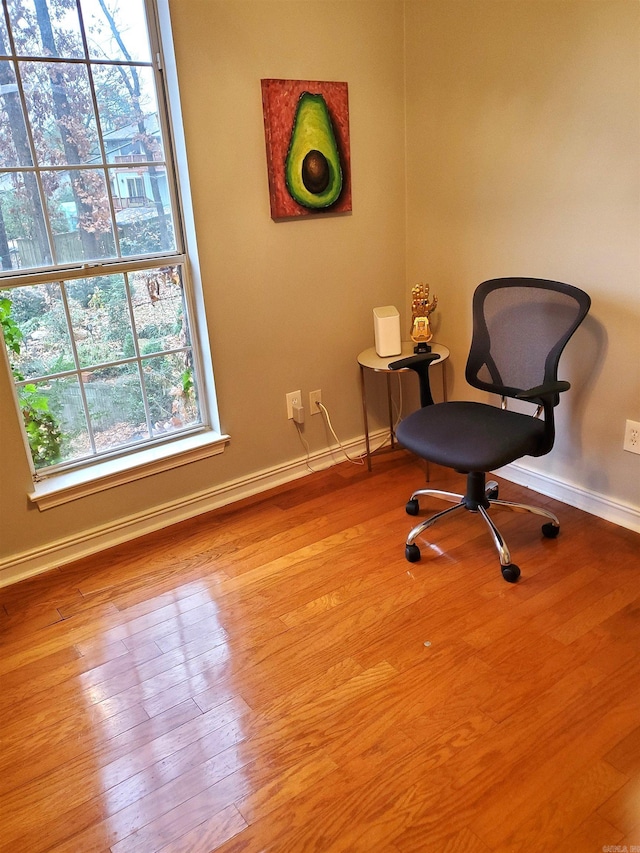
{"x": 95, "y": 297}
{"x": 135, "y": 191}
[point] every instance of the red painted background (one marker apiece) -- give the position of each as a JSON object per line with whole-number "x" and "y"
{"x": 279, "y": 103}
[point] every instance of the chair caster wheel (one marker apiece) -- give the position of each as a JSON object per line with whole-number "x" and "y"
{"x": 492, "y": 491}
{"x": 412, "y": 507}
{"x": 550, "y": 530}
{"x": 412, "y": 553}
{"x": 511, "y": 573}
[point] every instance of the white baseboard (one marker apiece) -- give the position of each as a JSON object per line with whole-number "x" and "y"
{"x": 625, "y": 515}
{"x": 91, "y": 541}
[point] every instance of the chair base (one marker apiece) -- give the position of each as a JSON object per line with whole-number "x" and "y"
{"x": 479, "y": 497}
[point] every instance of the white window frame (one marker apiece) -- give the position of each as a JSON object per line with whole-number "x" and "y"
{"x": 136, "y": 463}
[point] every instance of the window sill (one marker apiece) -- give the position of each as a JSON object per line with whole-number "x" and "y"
{"x": 63, "y": 488}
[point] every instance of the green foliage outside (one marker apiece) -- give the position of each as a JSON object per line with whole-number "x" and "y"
{"x": 43, "y": 433}
{"x": 39, "y": 343}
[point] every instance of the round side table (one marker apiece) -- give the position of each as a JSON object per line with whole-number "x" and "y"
{"x": 369, "y": 359}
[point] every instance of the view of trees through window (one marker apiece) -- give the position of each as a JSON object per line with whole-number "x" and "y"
{"x": 93, "y": 302}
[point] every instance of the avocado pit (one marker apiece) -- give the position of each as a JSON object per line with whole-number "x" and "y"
{"x": 315, "y": 172}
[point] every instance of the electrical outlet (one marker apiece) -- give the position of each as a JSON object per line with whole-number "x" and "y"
{"x": 315, "y": 397}
{"x": 632, "y": 437}
{"x": 294, "y": 398}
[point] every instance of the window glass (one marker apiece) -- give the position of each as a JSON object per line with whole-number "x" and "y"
{"x": 4, "y": 38}
{"x": 54, "y": 31}
{"x": 109, "y": 358}
{"x": 24, "y": 240}
{"x": 60, "y": 112}
{"x": 94, "y": 305}
{"x": 128, "y": 113}
{"x": 14, "y": 143}
{"x": 128, "y": 39}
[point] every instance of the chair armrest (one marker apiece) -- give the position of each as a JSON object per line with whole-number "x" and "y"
{"x": 546, "y": 390}
{"x": 547, "y": 396}
{"x": 413, "y": 360}
{"x": 420, "y": 364}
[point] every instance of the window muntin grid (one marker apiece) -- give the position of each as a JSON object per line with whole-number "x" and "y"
{"x": 88, "y": 205}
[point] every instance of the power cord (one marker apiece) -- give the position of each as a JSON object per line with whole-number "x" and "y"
{"x": 307, "y": 449}
{"x": 360, "y": 460}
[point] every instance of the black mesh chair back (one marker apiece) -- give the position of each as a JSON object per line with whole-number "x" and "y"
{"x": 520, "y": 328}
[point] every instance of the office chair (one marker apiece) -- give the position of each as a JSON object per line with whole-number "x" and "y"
{"x": 520, "y": 328}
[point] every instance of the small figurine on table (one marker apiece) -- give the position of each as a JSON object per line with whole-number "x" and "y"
{"x": 421, "y": 308}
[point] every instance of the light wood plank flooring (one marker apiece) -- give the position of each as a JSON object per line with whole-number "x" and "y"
{"x": 274, "y": 676}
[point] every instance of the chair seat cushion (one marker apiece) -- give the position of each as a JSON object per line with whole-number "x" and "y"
{"x": 470, "y": 436}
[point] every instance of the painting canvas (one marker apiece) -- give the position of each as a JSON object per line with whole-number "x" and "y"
{"x": 306, "y": 126}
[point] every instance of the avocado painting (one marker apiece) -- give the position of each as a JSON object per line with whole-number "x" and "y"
{"x": 307, "y": 138}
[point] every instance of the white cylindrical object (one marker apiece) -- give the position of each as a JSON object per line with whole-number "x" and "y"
{"x": 386, "y": 326}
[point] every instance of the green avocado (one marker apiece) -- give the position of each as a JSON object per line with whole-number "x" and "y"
{"x": 312, "y": 169}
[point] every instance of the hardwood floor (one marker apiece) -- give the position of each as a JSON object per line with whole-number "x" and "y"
{"x": 274, "y": 676}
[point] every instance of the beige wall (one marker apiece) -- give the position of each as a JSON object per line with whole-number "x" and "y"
{"x": 522, "y": 158}
{"x": 523, "y": 153}
{"x": 288, "y": 304}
